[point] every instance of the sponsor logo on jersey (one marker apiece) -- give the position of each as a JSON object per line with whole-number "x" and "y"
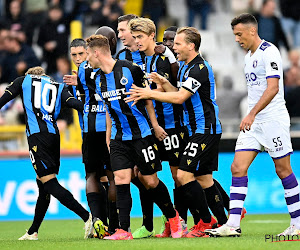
{"x": 114, "y": 94}
{"x": 153, "y": 67}
{"x": 264, "y": 46}
{"x": 254, "y": 63}
{"x": 124, "y": 80}
{"x": 188, "y": 162}
{"x": 95, "y": 108}
{"x": 34, "y": 148}
{"x": 274, "y": 65}
{"x": 176, "y": 154}
{"x": 87, "y": 65}
{"x": 201, "y": 66}
{"x": 203, "y": 146}
{"x": 92, "y": 76}
{"x": 155, "y": 146}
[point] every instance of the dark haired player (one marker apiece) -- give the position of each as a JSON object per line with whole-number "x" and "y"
{"x": 131, "y": 141}
{"x": 42, "y": 98}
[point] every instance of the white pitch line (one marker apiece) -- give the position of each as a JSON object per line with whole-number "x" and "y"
{"x": 267, "y": 221}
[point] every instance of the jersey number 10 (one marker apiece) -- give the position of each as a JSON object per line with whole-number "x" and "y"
{"x": 41, "y": 97}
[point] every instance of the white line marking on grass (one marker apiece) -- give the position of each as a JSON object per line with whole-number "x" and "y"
{"x": 267, "y": 221}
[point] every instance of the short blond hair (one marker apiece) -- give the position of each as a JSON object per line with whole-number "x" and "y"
{"x": 192, "y": 35}
{"x": 39, "y": 71}
{"x": 142, "y": 24}
{"x": 98, "y": 41}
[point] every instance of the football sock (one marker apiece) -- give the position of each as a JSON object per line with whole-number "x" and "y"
{"x": 291, "y": 194}
{"x": 224, "y": 195}
{"x": 124, "y": 204}
{"x": 195, "y": 199}
{"x": 179, "y": 203}
{"x": 215, "y": 203}
{"x": 113, "y": 216}
{"x": 146, "y": 204}
{"x": 41, "y": 208}
{"x": 238, "y": 192}
{"x": 98, "y": 204}
{"x": 161, "y": 197}
{"x": 66, "y": 198}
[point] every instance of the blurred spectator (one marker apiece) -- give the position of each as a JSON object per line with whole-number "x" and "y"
{"x": 15, "y": 21}
{"x": 3, "y": 34}
{"x": 35, "y": 16}
{"x": 242, "y": 6}
{"x": 63, "y": 68}
{"x": 18, "y": 59}
{"x": 106, "y": 13}
{"x": 9, "y": 114}
{"x": 53, "y": 37}
{"x": 229, "y": 100}
{"x": 292, "y": 97}
{"x": 154, "y": 9}
{"x": 269, "y": 26}
{"x": 199, "y": 7}
{"x": 291, "y": 74}
{"x": 290, "y": 10}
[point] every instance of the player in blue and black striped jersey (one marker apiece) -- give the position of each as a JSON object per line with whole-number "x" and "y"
{"x": 200, "y": 157}
{"x": 169, "y": 116}
{"x": 94, "y": 135}
{"x": 131, "y": 51}
{"x": 42, "y": 99}
{"x": 131, "y": 141}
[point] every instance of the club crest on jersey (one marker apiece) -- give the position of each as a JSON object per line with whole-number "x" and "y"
{"x": 274, "y": 65}
{"x": 124, "y": 80}
{"x": 254, "y": 63}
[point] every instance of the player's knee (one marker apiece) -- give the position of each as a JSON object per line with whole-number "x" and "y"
{"x": 236, "y": 170}
{"x": 183, "y": 177}
{"x": 283, "y": 171}
{"x": 90, "y": 176}
{"x": 152, "y": 183}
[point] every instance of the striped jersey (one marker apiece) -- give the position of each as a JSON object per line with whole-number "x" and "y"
{"x": 42, "y": 98}
{"x": 168, "y": 115}
{"x": 76, "y": 92}
{"x": 137, "y": 57}
{"x": 201, "y": 108}
{"x": 94, "y": 118}
{"x": 128, "y": 123}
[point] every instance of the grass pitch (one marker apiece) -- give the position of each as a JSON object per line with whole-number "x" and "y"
{"x": 68, "y": 234}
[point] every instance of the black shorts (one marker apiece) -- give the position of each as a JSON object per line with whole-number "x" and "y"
{"x": 44, "y": 153}
{"x": 172, "y": 147}
{"x": 201, "y": 154}
{"x": 95, "y": 155}
{"x": 141, "y": 152}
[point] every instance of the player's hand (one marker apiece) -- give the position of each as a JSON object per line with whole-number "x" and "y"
{"x": 159, "y": 49}
{"x": 157, "y": 78}
{"x": 247, "y": 122}
{"x": 70, "y": 79}
{"x": 136, "y": 93}
{"x": 160, "y": 133}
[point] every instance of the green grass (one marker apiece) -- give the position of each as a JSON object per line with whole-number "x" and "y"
{"x": 68, "y": 234}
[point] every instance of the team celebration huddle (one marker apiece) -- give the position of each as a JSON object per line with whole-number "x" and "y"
{"x": 156, "y": 102}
